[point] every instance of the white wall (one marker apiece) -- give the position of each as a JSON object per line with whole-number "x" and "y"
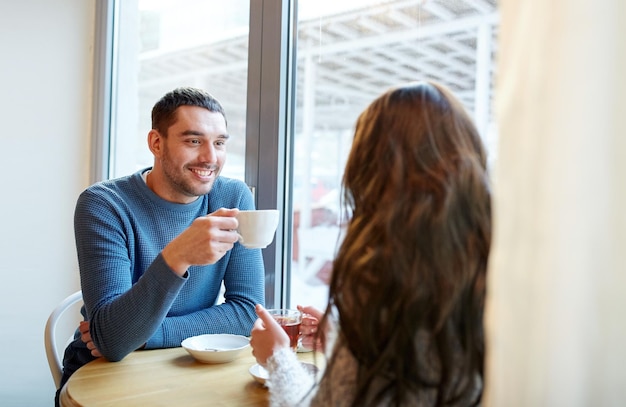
{"x": 46, "y": 64}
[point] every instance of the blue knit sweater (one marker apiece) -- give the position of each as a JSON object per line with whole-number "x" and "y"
{"x": 131, "y": 296}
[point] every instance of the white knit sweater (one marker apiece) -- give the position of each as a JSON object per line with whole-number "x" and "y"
{"x": 291, "y": 385}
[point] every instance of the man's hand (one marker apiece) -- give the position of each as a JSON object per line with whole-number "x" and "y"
{"x": 85, "y": 336}
{"x": 204, "y": 242}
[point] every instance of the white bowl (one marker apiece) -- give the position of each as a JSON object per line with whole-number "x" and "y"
{"x": 215, "y": 348}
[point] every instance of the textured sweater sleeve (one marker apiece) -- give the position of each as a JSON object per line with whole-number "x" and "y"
{"x": 121, "y": 319}
{"x": 290, "y": 384}
{"x": 242, "y": 272}
{"x": 132, "y": 298}
{"x": 243, "y": 280}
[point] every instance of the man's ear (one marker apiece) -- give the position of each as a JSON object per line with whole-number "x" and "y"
{"x": 155, "y": 142}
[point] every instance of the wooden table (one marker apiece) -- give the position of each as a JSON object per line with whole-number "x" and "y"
{"x": 166, "y": 377}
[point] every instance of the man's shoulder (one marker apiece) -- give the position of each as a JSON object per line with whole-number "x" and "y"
{"x": 230, "y": 192}
{"x": 122, "y": 182}
{"x": 230, "y": 186}
{"x": 108, "y": 190}
{"x": 225, "y": 182}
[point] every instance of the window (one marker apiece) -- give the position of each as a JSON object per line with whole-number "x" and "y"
{"x": 348, "y": 53}
{"x": 170, "y": 43}
{"x": 293, "y": 75}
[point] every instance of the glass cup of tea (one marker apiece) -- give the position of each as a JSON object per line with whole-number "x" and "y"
{"x": 290, "y": 320}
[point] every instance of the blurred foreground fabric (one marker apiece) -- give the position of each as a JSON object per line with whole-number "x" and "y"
{"x": 556, "y": 325}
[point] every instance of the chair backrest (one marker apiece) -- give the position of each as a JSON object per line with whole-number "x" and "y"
{"x": 53, "y": 353}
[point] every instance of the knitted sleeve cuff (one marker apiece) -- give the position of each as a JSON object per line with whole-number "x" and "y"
{"x": 290, "y": 384}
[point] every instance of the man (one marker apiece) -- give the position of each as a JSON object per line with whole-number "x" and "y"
{"x": 154, "y": 247}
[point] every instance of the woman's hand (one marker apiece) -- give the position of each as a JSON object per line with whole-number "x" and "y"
{"x": 310, "y": 322}
{"x": 267, "y": 336}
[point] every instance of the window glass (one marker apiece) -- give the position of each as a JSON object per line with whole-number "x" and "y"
{"x": 348, "y": 53}
{"x": 164, "y": 44}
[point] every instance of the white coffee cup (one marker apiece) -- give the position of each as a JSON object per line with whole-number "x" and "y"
{"x": 256, "y": 228}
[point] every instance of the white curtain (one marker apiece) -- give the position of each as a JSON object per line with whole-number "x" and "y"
{"x": 556, "y": 307}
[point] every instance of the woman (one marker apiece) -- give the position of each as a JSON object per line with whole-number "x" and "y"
{"x": 408, "y": 283}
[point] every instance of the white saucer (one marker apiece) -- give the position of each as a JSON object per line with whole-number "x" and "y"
{"x": 261, "y": 375}
{"x": 302, "y": 349}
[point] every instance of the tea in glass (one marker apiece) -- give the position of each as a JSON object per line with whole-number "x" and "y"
{"x": 290, "y": 320}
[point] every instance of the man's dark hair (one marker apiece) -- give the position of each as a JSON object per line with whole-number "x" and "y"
{"x": 164, "y": 111}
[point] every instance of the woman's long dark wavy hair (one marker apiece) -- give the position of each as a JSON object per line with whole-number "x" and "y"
{"x": 415, "y": 251}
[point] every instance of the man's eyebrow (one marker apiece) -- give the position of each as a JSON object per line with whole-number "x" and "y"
{"x": 198, "y": 133}
{"x": 192, "y": 133}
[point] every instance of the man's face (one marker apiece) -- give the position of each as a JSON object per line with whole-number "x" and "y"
{"x": 190, "y": 158}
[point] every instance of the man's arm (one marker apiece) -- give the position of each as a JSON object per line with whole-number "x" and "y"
{"x": 243, "y": 277}
{"x": 127, "y": 311}
{"x": 244, "y": 282}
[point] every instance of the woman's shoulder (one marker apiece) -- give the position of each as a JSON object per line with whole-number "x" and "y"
{"x": 338, "y": 384}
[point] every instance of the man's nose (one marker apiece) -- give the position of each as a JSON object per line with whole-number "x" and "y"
{"x": 207, "y": 153}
